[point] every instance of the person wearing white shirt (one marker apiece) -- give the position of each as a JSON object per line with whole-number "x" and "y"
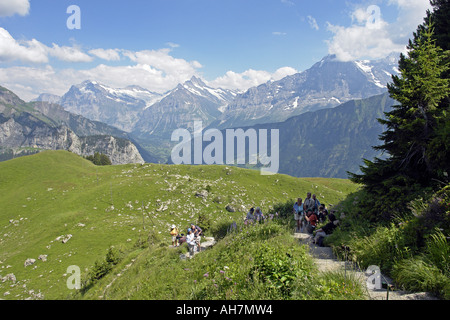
{"x": 190, "y": 240}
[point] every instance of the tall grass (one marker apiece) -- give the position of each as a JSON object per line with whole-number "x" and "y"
{"x": 416, "y": 274}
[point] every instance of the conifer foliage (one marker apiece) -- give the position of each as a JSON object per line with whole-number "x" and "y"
{"x": 418, "y": 128}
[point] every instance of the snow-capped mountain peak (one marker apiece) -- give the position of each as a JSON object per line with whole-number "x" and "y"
{"x": 327, "y": 84}
{"x": 197, "y": 88}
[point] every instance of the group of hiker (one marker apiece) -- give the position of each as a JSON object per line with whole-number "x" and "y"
{"x": 192, "y": 237}
{"x": 256, "y": 215}
{"x": 309, "y": 213}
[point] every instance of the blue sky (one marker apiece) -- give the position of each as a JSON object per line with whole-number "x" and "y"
{"x": 159, "y": 43}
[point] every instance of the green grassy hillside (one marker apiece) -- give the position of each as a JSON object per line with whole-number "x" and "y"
{"x": 56, "y": 193}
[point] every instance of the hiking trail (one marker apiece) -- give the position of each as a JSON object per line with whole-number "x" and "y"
{"x": 326, "y": 261}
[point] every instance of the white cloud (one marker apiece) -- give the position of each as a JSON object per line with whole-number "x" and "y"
{"x": 155, "y": 70}
{"x": 411, "y": 14}
{"x": 106, "y": 54}
{"x": 283, "y": 72}
{"x": 162, "y": 60}
{"x": 173, "y": 45}
{"x": 26, "y": 51}
{"x": 288, "y": 2}
{"x": 12, "y": 7}
{"x": 33, "y": 51}
{"x": 28, "y": 82}
{"x": 277, "y": 33}
{"x": 249, "y": 78}
{"x": 361, "y": 42}
{"x": 69, "y": 54}
{"x": 370, "y": 36}
{"x": 313, "y": 23}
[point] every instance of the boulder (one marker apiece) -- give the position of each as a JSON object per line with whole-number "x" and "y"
{"x": 230, "y": 208}
{"x": 29, "y": 262}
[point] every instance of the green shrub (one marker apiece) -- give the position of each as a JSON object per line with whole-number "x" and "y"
{"x": 284, "y": 210}
{"x": 415, "y": 274}
{"x": 333, "y": 285}
{"x": 438, "y": 252}
{"x": 276, "y": 268}
{"x": 102, "y": 268}
{"x": 382, "y": 248}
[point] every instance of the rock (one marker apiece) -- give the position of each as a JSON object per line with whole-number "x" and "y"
{"x": 43, "y": 257}
{"x": 202, "y": 194}
{"x": 230, "y": 208}
{"x": 64, "y": 238}
{"x": 9, "y": 277}
{"x": 29, "y": 262}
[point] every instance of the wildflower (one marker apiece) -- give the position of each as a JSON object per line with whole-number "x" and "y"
{"x": 206, "y": 274}
{"x": 221, "y": 271}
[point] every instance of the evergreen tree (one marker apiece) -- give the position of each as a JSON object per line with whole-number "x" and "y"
{"x": 440, "y": 17}
{"x": 440, "y": 146}
{"x": 104, "y": 160}
{"x": 417, "y": 129}
{"x": 99, "y": 159}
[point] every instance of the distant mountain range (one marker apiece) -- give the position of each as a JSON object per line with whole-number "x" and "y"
{"x": 330, "y": 142}
{"x": 138, "y": 110}
{"x": 324, "y": 143}
{"x": 146, "y": 114}
{"x": 27, "y": 128}
{"x": 326, "y": 84}
{"x": 148, "y": 118}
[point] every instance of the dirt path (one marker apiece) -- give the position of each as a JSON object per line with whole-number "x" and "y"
{"x": 326, "y": 262}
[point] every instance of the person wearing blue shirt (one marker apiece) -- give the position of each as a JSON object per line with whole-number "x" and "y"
{"x": 298, "y": 214}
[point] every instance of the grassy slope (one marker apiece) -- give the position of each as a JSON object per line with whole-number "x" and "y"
{"x": 55, "y": 193}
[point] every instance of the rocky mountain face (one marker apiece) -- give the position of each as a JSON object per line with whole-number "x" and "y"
{"x": 148, "y": 118}
{"x": 120, "y": 108}
{"x": 188, "y": 102}
{"x": 145, "y": 113}
{"x": 48, "y": 97}
{"x": 26, "y": 130}
{"x": 326, "y": 84}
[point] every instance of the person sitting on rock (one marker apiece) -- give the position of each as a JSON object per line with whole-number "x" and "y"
{"x": 259, "y": 215}
{"x": 326, "y": 230}
{"x": 312, "y": 221}
{"x": 250, "y": 218}
{"x": 323, "y": 213}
